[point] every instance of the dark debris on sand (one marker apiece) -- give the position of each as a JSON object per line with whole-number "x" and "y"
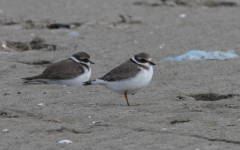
{"x": 36, "y": 43}
{"x": 188, "y": 3}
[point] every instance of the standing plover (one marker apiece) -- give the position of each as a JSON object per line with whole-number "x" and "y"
{"x": 72, "y": 71}
{"x": 129, "y": 77}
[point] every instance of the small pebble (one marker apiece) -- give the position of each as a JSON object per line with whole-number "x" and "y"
{"x": 161, "y": 46}
{"x": 5, "y": 130}
{"x": 65, "y": 142}
{"x": 40, "y": 104}
{"x": 96, "y": 122}
{"x": 182, "y": 15}
{"x": 6, "y": 94}
{"x": 58, "y": 121}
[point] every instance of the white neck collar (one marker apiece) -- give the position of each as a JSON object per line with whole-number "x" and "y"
{"x": 74, "y": 59}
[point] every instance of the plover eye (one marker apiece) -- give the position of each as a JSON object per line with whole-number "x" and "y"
{"x": 85, "y": 60}
{"x": 143, "y": 60}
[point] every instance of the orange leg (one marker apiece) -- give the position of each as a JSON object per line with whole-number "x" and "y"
{"x": 125, "y": 94}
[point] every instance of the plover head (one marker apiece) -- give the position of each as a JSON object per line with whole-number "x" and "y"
{"x": 82, "y": 57}
{"x": 143, "y": 59}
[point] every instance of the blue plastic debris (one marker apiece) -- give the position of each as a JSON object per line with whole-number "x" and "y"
{"x": 203, "y": 55}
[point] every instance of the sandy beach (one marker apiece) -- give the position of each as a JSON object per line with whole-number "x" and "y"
{"x": 189, "y": 105}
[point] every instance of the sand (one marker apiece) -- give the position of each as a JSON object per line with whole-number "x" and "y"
{"x": 188, "y": 105}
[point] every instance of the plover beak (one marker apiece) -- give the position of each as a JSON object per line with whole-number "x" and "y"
{"x": 91, "y": 62}
{"x": 151, "y": 63}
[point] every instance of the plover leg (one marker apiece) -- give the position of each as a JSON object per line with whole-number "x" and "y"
{"x": 125, "y": 94}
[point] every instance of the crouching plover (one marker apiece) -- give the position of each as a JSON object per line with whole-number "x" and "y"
{"x": 129, "y": 77}
{"x": 72, "y": 71}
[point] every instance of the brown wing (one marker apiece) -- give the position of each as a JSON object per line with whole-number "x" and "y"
{"x": 122, "y": 72}
{"x": 66, "y": 69}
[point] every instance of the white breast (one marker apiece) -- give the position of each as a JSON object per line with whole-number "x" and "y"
{"x": 131, "y": 85}
{"x": 78, "y": 80}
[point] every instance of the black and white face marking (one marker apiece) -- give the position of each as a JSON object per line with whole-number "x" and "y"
{"x": 143, "y": 61}
{"x": 82, "y": 57}
{"x": 86, "y": 60}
